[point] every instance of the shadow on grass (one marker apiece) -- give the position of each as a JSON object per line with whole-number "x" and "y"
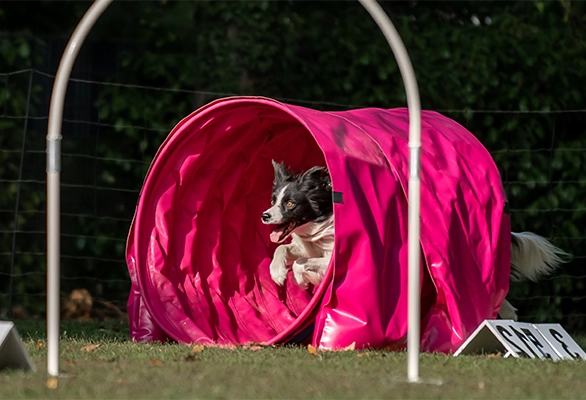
{"x": 112, "y": 330}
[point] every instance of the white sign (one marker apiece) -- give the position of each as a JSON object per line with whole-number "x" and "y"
{"x": 522, "y": 339}
{"x": 561, "y": 341}
{"x": 12, "y": 352}
{"x": 536, "y": 341}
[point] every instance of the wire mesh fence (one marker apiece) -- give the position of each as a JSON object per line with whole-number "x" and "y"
{"x": 107, "y": 148}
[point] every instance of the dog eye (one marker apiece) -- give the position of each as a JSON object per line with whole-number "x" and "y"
{"x": 290, "y": 204}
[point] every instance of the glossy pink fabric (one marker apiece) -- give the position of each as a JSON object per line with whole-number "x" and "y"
{"x": 198, "y": 254}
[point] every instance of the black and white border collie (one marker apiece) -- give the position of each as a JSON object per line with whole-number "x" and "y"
{"x": 302, "y": 208}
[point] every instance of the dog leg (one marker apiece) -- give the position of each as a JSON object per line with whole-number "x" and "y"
{"x": 298, "y": 271}
{"x": 310, "y": 270}
{"x": 284, "y": 255}
{"x": 507, "y": 311}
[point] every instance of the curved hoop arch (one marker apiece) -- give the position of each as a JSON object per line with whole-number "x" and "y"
{"x": 54, "y": 173}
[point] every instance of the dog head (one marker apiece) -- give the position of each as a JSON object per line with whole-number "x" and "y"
{"x": 298, "y": 200}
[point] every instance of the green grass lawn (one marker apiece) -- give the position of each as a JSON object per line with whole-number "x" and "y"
{"x": 118, "y": 368}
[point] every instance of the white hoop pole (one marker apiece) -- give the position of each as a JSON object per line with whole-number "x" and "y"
{"x": 54, "y": 169}
{"x": 414, "y": 106}
{"x": 54, "y": 175}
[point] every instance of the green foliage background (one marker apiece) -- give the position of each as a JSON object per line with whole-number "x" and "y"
{"x": 525, "y": 59}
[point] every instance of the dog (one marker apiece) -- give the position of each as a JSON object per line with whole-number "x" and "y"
{"x": 302, "y": 208}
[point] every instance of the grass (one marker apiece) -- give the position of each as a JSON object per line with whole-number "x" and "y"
{"x": 118, "y": 369}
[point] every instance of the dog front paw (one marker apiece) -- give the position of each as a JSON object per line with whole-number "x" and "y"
{"x": 299, "y": 271}
{"x": 278, "y": 271}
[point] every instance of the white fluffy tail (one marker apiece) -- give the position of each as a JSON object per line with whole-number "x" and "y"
{"x": 533, "y": 256}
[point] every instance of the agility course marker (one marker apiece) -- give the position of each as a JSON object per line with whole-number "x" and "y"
{"x": 561, "y": 341}
{"x": 522, "y": 339}
{"x": 12, "y": 353}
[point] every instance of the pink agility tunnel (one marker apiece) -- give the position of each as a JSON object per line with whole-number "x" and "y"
{"x": 198, "y": 254}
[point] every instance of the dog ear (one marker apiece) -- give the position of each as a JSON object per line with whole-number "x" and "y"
{"x": 282, "y": 173}
{"x": 316, "y": 177}
{"x": 317, "y": 184}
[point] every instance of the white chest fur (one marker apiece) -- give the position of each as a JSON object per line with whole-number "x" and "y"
{"x": 317, "y": 238}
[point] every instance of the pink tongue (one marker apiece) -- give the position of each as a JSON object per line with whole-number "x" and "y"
{"x": 275, "y": 236}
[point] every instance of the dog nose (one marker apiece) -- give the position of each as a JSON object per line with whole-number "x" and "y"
{"x": 266, "y": 216}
